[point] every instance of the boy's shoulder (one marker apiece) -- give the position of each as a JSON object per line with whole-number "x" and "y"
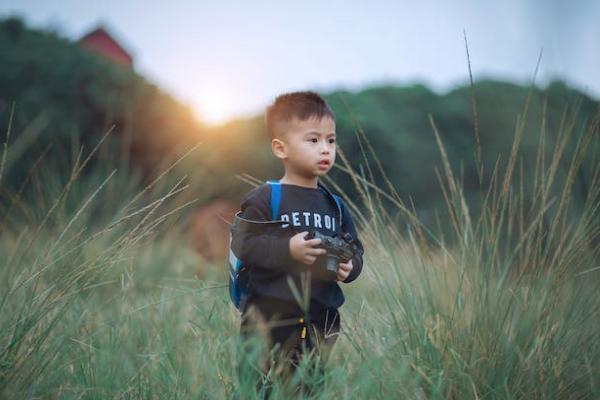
{"x": 259, "y": 193}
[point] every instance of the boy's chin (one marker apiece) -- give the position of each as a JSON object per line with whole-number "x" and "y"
{"x": 321, "y": 172}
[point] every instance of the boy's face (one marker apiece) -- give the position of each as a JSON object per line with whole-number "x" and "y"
{"x": 308, "y": 146}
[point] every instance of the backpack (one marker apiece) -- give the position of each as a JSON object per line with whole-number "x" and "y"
{"x": 238, "y": 271}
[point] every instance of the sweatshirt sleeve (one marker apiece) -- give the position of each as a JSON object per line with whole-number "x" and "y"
{"x": 268, "y": 250}
{"x": 357, "y": 260}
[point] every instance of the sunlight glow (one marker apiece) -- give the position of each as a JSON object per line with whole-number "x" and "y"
{"x": 213, "y": 107}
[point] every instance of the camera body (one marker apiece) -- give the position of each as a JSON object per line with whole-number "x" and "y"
{"x": 339, "y": 249}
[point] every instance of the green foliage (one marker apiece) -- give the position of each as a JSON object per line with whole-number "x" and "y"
{"x": 65, "y": 96}
{"x": 396, "y": 123}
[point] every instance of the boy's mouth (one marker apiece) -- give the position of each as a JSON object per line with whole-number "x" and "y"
{"x": 324, "y": 163}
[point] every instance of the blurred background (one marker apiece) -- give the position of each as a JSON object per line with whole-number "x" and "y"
{"x": 129, "y": 131}
{"x": 165, "y": 79}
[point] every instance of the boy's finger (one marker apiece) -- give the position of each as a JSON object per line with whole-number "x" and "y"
{"x": 310, "y": 259}
{"x": 315, "y": 252}
{"x": 313, "y": 242}
{"x": 345, "y": 267}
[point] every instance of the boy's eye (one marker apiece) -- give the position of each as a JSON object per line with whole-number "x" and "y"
{"x": 332, "y": 140}
{"x": 314, "y": 140}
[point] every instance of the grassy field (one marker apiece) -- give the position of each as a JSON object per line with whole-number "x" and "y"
{"x": 98, "y": 299}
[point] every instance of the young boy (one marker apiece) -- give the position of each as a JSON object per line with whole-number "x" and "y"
{"x": 285, "y": 264}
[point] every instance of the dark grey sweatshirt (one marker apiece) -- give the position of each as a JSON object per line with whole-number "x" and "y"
{"x": 272, "y": 269}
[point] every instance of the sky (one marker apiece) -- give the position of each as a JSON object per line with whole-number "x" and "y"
{"x": 230, "y": 59}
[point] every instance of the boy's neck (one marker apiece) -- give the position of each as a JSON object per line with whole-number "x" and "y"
{"x": 292, "y": 179}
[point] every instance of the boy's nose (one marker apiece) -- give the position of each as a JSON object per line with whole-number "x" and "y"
{"x": 325, "y": 149}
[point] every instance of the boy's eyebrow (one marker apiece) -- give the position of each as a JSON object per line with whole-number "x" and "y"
{"x": 319, "y": 134}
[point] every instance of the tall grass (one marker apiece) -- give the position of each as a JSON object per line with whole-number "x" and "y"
{"x": 506, "y": 307}
{"x": 67, "y": 261}
{"x": 97, "y": 297}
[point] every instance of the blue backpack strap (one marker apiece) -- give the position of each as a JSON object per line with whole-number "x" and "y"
{"x": 275, "y": 198}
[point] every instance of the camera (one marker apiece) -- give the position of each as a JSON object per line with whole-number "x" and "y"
{"x": 339, "y": 249}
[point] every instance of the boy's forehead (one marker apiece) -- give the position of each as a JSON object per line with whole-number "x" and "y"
{"x": 324, "y": 125}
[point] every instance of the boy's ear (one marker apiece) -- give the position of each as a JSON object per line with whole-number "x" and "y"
{"x": 279, "y": 148}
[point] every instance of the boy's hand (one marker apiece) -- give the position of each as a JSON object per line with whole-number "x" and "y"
{"x": 304, "y": 250}
{"x": 344, "y": 270}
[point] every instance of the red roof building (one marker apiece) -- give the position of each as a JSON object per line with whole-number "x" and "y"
{"x": 100, "y": 41}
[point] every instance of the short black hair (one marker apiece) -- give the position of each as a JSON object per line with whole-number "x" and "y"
{"x": 301, "y": 105}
